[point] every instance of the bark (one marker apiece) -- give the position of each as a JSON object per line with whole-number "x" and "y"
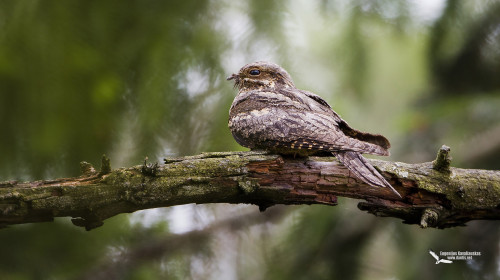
{"x": 433, "y": 194}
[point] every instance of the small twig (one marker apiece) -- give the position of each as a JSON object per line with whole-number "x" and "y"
{"x": 443, "y": 160}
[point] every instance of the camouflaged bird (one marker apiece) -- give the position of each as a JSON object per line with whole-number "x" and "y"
{"x": 270, "y": 113}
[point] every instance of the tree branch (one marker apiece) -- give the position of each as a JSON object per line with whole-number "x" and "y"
{"x": 434, "y": 194}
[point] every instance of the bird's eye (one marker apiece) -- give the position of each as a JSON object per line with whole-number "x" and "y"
{"x": 254, "y": 72}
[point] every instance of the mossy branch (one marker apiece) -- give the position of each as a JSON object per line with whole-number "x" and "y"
{"x": 434, "y": 194}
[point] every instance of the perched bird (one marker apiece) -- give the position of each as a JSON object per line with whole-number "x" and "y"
{"x": 270, "y": 113}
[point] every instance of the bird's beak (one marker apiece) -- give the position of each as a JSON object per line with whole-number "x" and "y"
{"x": 233, "y": 76}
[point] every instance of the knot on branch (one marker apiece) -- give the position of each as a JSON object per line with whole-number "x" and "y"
{"x": 248, "y": 185}
{"x": 87, "y": 169}
{"x": 150, "y": 169}
{"x": 88, "y": 223}
{"x": 105, "y": 165}
{"x": 443, "y": 160}
{"x": 429, "y": 218}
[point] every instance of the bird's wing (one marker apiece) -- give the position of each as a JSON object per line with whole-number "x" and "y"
{"x": 344, "y": 126}
{"x": 375, "y": 139}
{"x": 434, "y": 255}
{"x": 316, "y": 98}
{"x": 326, "y": 128}
{"x": 297, "y": 128}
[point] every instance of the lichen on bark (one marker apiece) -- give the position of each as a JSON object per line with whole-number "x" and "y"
{"x": 452, "y": 197}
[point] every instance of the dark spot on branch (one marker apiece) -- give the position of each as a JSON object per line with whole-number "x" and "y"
{"x": 8, "y": 184}
{"x": 87, "y": 223}
{"x": 150, "y": 169}
{"x": 264, "y": 206}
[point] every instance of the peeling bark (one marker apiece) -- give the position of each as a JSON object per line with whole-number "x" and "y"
{"x": 434, "y": 194}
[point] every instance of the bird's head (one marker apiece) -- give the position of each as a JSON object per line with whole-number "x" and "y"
{"x": 262, "y": 74}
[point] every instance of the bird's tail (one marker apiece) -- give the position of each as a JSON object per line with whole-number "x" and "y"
{"x": 358, "y": 165}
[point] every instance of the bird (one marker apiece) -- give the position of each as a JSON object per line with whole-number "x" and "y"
{"x": 270, "y": 113}
{"x": 438, "y": 260}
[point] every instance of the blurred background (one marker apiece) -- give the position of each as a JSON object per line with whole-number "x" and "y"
{"x": 132, "y": 79}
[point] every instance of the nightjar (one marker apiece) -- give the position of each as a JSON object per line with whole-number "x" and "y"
{"x": 270, "y": 113}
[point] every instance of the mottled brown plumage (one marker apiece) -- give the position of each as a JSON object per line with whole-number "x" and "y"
{"x": 270, "y": 113}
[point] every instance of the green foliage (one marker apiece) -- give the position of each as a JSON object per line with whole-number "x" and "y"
{"x": 58, "y": 249}
{"x": 71, "y": 73}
